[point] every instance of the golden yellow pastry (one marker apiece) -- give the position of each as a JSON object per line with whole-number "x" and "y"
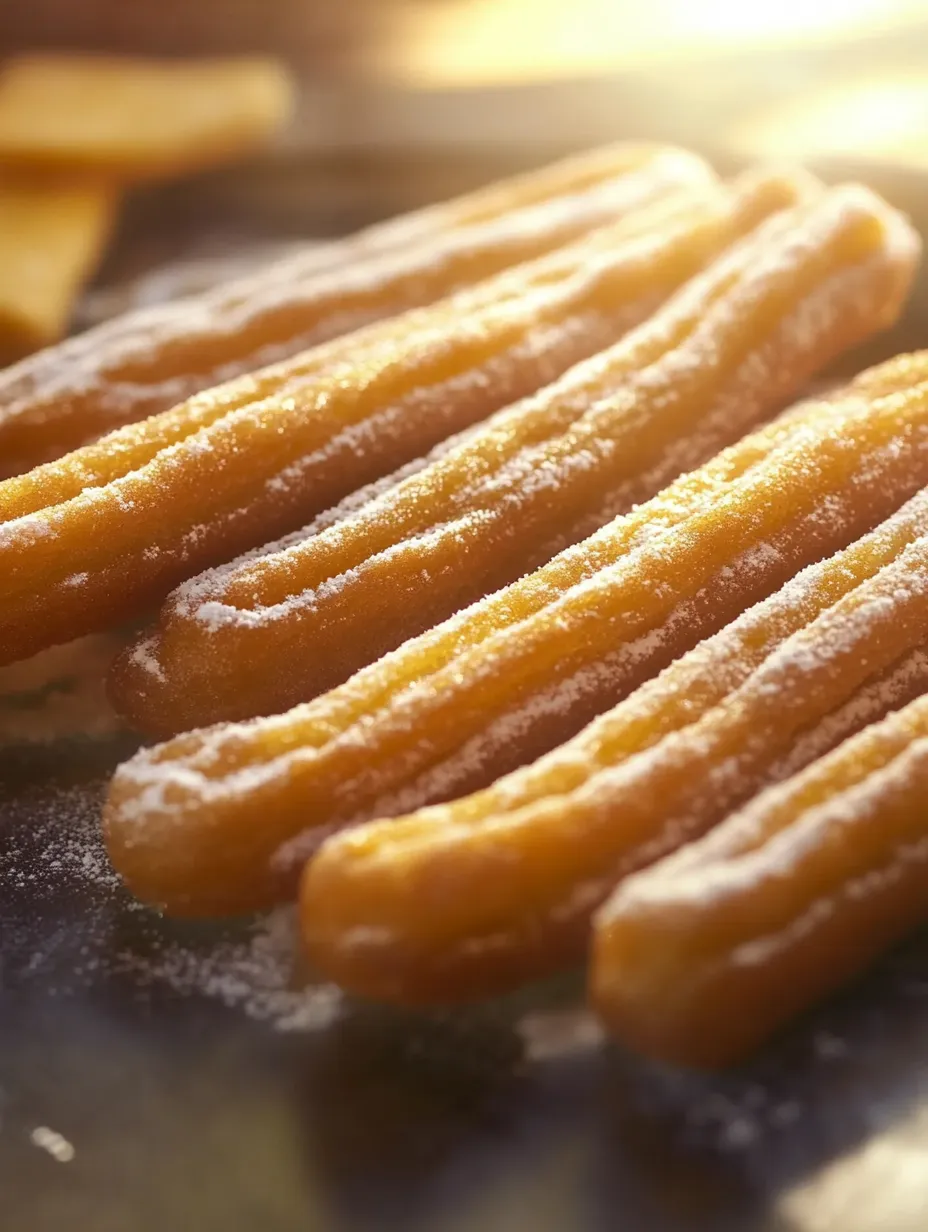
{"x": 221, "y": 820}
{"x": 51, "y": 237}
{"x": 153, "y": 358}
{"x": 703, "y": 956}
{"x": 466, "y": 898}
{"x": 125, "y": 118}
{"x": 733, "y": 345}
{"x": 100, "y": 535}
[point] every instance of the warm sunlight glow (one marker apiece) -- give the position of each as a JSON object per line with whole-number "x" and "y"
{"x": 884, "y": 117}
{"x": 482, "y": 41}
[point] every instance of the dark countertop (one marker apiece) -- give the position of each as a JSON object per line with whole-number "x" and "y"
{"x": 184, "y": 1111}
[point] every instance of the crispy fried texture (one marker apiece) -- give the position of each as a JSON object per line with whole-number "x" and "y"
{"x": 294, "y": 620}
{"x": 151, "y": 359}
{"x": 523, "y": 865}
{"x": 702, "y": 957}
{"x": 94, "y": 538}
{"x": 221, "y": 820}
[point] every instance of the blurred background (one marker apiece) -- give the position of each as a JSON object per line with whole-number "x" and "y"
{"x": 406, "y": 101}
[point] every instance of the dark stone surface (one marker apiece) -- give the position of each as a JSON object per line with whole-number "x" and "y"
{"x": 183, "y": 1112}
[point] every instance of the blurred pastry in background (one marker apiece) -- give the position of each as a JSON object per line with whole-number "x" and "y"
{"x": 126, "y": 119}
{"x": 51, "y": 237}
{"x": 74, "y": 130}
{"x": 59, "y": 694}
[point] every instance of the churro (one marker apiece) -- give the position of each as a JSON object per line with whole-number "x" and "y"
{"x": 296, "y": 619}
{"x": 522, "y": 865}
{"x": 516, "y": 674}
{"x": 125, "y": 118}
{"x": 51, "y": 237}
{"x": 94, "y": 538}
{"x": 151, "y": 359}
{"x": 703, "y": 956}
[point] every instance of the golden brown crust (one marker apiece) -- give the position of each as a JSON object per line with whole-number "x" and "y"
{"x": 104, "y": 533}
{"x": 524, "y": 864}
{"x": 702, "y": 957}
{"x": 515, "y": 674}
{"x": 154, "y": 358}
{"x": 293, "y": 620}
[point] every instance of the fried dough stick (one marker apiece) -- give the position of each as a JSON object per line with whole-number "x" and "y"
{"x": 703, "y": 956}
{"x": 151, "y": 359}
{"x": 100, "y": 535}
{"x": 221, "y": 820}
{"x": 482, "y": 894}
{"x": 289, "y": 622}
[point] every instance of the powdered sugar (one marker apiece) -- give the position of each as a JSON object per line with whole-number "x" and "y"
{"x": 314, "y": 294}
{"x": 892, "y": 689}
{"x": 143, "y": 656}
{"x": 53, "y": 847}
{"x": 256, "y": 975}
{"x": 61, "y": 844}
{"x": 20, "y": 532}
{"x": 568, "y": 432}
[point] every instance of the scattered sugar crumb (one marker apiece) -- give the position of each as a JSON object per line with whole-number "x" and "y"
{"x": 61, "y": 845}
{"x": 255, "y": 975}
{"x": 549, "y": 1034}
{"x": 54, "y": 1143}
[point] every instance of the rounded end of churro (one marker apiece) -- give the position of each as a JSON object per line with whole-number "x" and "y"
{"x": 639, "y": 983}
{"x": 176, "y": 833}
{"x": 368, "y": 924}
{"x": 143, "y": 694}
{"x": 345, "y": 935}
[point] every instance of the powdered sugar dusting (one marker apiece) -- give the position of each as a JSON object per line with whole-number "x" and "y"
{"x": 556, "y": 444}
{"x": 900, "y": 684}
{"x": 312, "y": 295}
{"x": 256, "y": 975}
{"x": 61, "y": 846}
{"x": 52, "y": 846}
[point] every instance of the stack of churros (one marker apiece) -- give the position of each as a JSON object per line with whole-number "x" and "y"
{"x": 518, "y": 613}
{"x": 151, "y": 359}
{"x": 109, "y": 529}
{"x": 726, "y": 351}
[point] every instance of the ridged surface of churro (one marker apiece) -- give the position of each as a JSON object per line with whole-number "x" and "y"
{"x": 95, "y": 537}
{"x": 520, "y": 672}
{"x": 522, "y": 865}
{"x": 701, "y": 957}
{"x": 152, "y": 359}
{"x": 292, "y": 621}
